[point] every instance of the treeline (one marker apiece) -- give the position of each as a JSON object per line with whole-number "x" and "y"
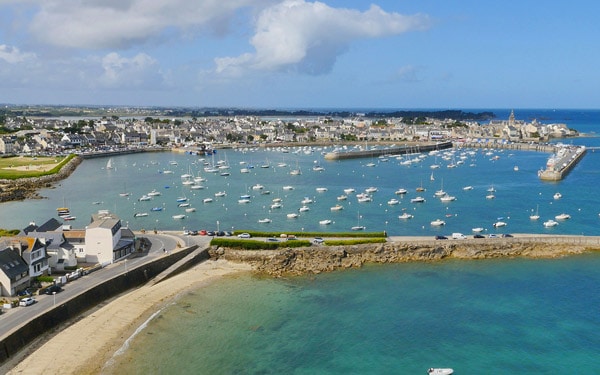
{"x": 49, "y": 111}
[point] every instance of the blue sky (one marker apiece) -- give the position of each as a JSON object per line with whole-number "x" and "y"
{"x": 301, "y": 54}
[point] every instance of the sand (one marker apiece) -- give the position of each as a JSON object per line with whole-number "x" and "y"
{"x": 86, "y": 346}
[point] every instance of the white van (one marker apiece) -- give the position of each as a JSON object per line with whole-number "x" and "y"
{"x": 458, "y": 236}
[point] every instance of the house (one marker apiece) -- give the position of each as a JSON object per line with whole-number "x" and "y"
{"x": 14, "y": 272}
{"x": 106, "y": 240}
{"x": 61, "y": 250}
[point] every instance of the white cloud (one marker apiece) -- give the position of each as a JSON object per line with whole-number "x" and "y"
{"x": 408, "y": 73}
{"x": 13, "y": 55}
{"x": 308, "y": 37}
{"x": 114, "y": 24}
{"x": 120, "y": 71}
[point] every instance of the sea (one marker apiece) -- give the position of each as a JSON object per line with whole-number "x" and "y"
{"x": 508, "y": 316}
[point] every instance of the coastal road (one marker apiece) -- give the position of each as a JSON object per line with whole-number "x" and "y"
{"x": 13, "y": 318}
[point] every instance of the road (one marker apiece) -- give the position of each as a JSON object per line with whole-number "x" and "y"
{"x": 15, "y": 317}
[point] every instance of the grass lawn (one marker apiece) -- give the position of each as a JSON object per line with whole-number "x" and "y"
{"x": 26, "y": 166}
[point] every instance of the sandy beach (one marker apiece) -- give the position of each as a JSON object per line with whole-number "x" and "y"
{"x": 85, "y": 347}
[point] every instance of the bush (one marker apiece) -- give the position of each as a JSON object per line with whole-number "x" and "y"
{"x": 45, "y": 279}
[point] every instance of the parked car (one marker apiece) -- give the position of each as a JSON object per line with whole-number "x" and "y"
{"x": 244, "y": 235}
{"x": 492, "y": 235}
{"x": 507, "y": 235}
{"x": 441, "y": 237}
{"x": 478, "y": 236}
{"x": 53, "y": 289}
{"x": 26, "y": 301}
{"x": 203, "y": 232}
{"x": 318, "y": 240}
{"x": 272, "y": 239}
{"x": 24, "y": 293}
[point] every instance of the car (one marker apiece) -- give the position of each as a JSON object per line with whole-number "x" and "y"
{"x": 24, "y": 293}
{"x": 210, "y": 233}
{"x": 26, "y": 301}
{"x": 220, "y": 233}
{"x": 272, "y": 239}
{"x": 505, "y": 235}
{"x": 492, "y": 235}
{"x": 203, "y": 232}
{"x": 244, "y": 235}
{"x": 441, "y": 237}
{"x": 318, "y": 240}
{"x": 478, "y": 236}
{"x": 53, "y": 289}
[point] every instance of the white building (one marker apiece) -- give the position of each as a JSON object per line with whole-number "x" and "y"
{"x": 105, "y": 239}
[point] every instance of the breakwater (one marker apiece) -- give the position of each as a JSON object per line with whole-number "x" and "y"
{"x": 561, "y": 163}
{"x": 318, "y": 259}
{"x": 520, "y": 146}
{"x": 401, "y": 150}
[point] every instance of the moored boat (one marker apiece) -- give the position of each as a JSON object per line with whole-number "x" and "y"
{"x": 440, "y": 371}
{"x": 438, "y": 222}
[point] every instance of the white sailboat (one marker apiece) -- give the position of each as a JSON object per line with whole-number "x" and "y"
{"x": 358, "y": 226}
{"x": 109, "y": 164}
{"x": 535, "y": 216}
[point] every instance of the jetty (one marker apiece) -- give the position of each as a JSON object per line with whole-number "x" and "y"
{"x": 561, "y": 163}
{"x": 374, "y": 152}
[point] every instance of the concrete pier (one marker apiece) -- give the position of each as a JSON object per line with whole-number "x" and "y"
{"x": 561, "y": 163}
{"x": 402, "y": 150}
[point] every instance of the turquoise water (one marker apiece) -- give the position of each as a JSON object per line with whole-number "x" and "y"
{"x": 496, "y": 316}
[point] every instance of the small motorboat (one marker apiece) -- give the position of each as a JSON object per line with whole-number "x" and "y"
{"x": 438, "y": 222}
{"x": 440, "y": 371}
{"x": 499, "y": 224}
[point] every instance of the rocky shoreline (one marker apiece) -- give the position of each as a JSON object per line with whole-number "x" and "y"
{"x": 27, "y": 188}
{"x": 314, "y": 260}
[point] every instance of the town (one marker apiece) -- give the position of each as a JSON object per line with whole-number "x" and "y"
{"x": 38, "y": 135}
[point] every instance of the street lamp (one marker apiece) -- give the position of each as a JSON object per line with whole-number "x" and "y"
{"x": 54, "y": 294}
{"x": 218, "y": 229}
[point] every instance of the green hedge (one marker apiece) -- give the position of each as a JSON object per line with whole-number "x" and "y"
{"x": 357, "y": 234}
{"x": 354, "y": 242}
{"x": 245, "y": 244}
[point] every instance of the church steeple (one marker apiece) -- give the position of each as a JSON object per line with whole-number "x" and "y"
{"x": 511, "y": 118}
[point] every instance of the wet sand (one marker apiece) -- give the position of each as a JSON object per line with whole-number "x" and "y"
{"x": 86, "y": 346}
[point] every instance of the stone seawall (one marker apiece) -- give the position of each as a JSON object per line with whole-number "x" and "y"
{"x": 314, "y": 260}
{"x": 22, "y": 336}
{"x": 27, "y": 188}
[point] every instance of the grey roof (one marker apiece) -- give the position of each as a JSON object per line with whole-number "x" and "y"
{"x": 49, "y": 226}
{"x": 12, "y": 264}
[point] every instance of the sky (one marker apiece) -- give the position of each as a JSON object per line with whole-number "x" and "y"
{"x": 388, "y": 54}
